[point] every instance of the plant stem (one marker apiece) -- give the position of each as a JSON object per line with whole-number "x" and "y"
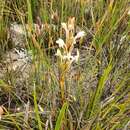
{"x": 61, "y": 82}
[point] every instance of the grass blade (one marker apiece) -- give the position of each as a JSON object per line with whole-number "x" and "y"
{"x": 61, "y": 116}
{"x": 97, "y": 95}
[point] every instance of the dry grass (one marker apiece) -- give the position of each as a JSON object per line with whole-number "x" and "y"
{"x": 51, "y": 91}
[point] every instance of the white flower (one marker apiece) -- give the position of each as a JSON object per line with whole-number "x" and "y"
{"x": 76, "y": 58}
{"x": 67, "y": 57}
{"x": 80, "y": 34}
{"x": 58, "y": 53}
{"x": 70, "y": 27}
{"x": 71, "y": 58}
{"x": 64, "y": 26}
{"x": 60, "y": 42}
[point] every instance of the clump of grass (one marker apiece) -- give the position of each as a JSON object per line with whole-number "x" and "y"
{"x": 83, "y": 104}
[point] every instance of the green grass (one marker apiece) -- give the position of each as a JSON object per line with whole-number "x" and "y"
{"x": 96, "y": 89}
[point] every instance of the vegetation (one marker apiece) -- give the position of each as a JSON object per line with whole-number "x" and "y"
{"x": 79, "y": 74}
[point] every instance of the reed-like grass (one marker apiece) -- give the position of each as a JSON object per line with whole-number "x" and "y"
{"x": 92, "y": 94}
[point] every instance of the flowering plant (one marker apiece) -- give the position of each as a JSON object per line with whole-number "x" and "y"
{"x": 64, "y": 51}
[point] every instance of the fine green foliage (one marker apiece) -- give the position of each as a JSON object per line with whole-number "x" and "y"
{"x": 75, "y": 74}
{"x": 61, "y": 116}
{"x": 30, "y": 19}
{"x": 36, "y": 109}
{"x": 96, "y": 98}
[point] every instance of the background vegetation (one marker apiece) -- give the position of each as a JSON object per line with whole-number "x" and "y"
{"x": 97, "y": 88}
